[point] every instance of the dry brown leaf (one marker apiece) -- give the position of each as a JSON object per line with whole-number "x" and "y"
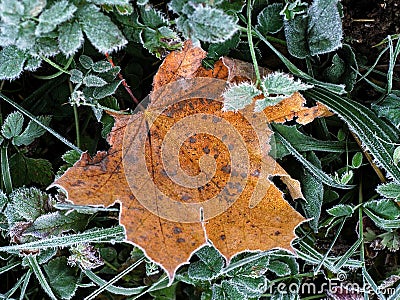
{"x": 186, "y": 173}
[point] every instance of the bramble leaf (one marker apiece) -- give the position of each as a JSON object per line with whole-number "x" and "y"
{"x": 390, "y": 190}
{"x": 341, "y": 210}
{"x": 12, "y": 125}
{"x": 93, "y": 24}
{"x": 324, "y": 27}
{"x": 11, "y": 62}
{"x": 384, "y": 208}
{"x": 94, "y": 81}
{"x": 209, "y": 266}
{"x": 70, "y": 38}
{"x": 313, "y": 191}
{"x": 62, "y": 277}
{"x": 239, "y": 96}
{"x": 209, "y": 24}
{"x": 25, "y": 170}
{"x": 58, "y": 13}
{"x": 31, "y": 132}
{"x": 269, "y": 20}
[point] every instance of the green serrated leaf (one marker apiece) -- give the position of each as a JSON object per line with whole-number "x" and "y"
{"x": 12, "y": 125}
{"x": 216, "y": 50}
{"x": 56, "y": 223}
{"x": 26, "y": 204}
{"x": 282, "y": 84}
{"x": 101, "y": 66}
{"x": 269, "y": 20}
{"x": 313, "y": 191}
{"x": 389, "y": 109}
{"x": 26, "y": 170}
{"x": 263, "y": 103}
{"x": 340, "y": 210}
{"x": 86, "y": 61}
{"x": 106, "y": 90}
{"x": 93, "y": 24}
{"x": 357, "y": 159}
{"x": 251, "y": 286}
{"x": 280, "y": 268}
{"x": 11, "y": 62}
{"x": 94, "y": 81}
{"x": 325, "y": 27}
{"x": 32, "y": 63}
{"x": 239, "y": 96}
{"x": 71, "y": 156}
{"x": 208, "y": 24}
{"x": 32, "y": 132}
{"x": 110, "y": 2}
{"x": 294, "y": 8}
{"x": 45, "y": 46}
{"x": 152, "y": 18}
{"x": 70, "y": 38}
{"x": 62, "y": 278}
{"x": 390, "y": 190}
{"x": 58, "y": 13}
{"x": 76, "y": 76}
{"x": 346, "y": 177}
{"x": 396, "y": 155}
{"x": 159, "y": 41}
{"x": 226, "y": 291}
{"x": 384, "y": 208}
{"x": 296, "y": 36}
{"x": 3, "y": 200}
{"x": 343, "y": 68}
{"x": 209, "y": 266}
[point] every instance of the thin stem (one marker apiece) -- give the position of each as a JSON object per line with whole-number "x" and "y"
{"x": 47, "y": 77}
{"x": 33, "y": 118}
{"x": 76, "y": 118}
{"x": 126, "y": 86}
{"x": 361, "y": 231}
{"x": 53, "y": 64}
{"x": 251, "y": 46}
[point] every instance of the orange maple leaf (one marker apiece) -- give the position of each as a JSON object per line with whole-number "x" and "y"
{"x": 187, "y": 174}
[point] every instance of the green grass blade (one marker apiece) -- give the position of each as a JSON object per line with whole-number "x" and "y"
{"x": 341, "y": 262}
{"x": 32, "y": 117}
{"x": 25, "y": 285}
{"x": 113, "y": 234}
{"x": 316, "y": 172}
{"x": 376, "y": 136}
{"x": 108, "y": 285}
{"x": 372, "y": 284}
{"x": 33, "y": 264}
{"x": 5, "y": 170}
{"x": 9, "y": 267}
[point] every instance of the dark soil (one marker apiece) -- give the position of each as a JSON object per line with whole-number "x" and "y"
{"x": 367, "y": 22}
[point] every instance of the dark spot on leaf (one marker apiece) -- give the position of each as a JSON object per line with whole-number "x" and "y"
{"x": 186, "y": 197}
{"x": 177, "y": 230}
{"x": 226, "y": 169}
{"x": 192, "y": 140}
{"x": 206, "y": 150}
{"x": 223, "y": 237}
{"x": 180, "y": 240}
{"x": 276, "y": 233}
